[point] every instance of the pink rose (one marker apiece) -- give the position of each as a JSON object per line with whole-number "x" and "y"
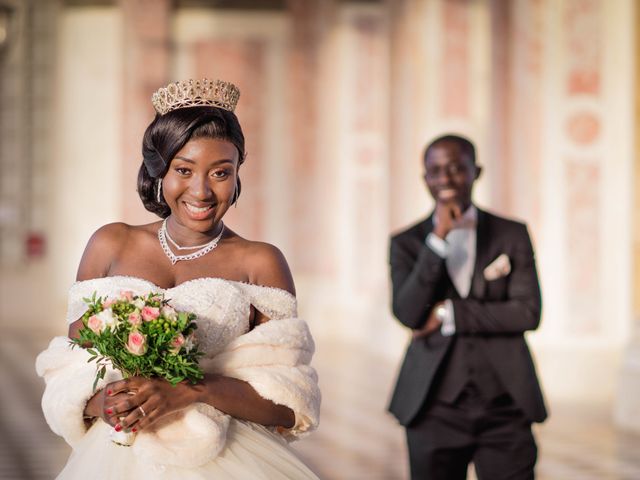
{"x": 137, "y": 343}
{"x": 135, "y": 318}
{"x": 126, "y": 295}
{"x": 102, "y": 320}
{"x": 150, "y": 313}
{"x": 95, "y": 323}
{"x": 107, "y": 303}
{"x": 177, "y": 343}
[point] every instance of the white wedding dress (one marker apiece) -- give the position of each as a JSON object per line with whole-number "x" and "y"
{"x": 201, "y": 443}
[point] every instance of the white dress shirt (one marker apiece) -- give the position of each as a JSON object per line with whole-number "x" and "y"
{"x": 459, "y": 251}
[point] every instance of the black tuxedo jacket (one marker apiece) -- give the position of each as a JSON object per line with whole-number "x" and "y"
{"x": 496, "y": 313}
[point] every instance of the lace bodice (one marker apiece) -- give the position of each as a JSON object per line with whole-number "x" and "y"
{"x": 222, "y": 306}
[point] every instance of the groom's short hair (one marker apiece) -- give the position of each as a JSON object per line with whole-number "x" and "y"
{"x": 466, "y": 145}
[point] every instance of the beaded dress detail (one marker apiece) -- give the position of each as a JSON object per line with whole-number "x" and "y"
{"x": 222, "y": 306}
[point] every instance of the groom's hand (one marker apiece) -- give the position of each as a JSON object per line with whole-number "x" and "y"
{"x": 446, "y": 214}
{"x": 431, "y": 325}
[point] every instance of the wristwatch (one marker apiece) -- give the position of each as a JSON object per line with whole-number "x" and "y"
{"x": 441, "y": 312}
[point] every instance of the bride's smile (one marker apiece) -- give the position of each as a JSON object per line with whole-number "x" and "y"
{"x": 199, "y": 188}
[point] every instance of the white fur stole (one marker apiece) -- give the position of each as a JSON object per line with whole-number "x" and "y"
{"x": 273, "y": 358}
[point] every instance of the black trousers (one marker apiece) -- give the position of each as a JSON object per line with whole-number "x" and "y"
{"x": 494, "y": 435}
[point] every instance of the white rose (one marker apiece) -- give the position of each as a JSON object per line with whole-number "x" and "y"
{"x": 139, "y": 303}
{"x": 169, "y": 313}
{"x": 189, "y": 343}
{"x": 107, "y": 318}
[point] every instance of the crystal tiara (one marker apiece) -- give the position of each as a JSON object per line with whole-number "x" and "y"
{"x": 195, "y": 93}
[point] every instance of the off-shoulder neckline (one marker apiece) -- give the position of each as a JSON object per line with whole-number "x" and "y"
{"x": 193, "y": 280}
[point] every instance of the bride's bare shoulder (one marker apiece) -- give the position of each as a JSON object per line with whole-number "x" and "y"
{"x": 105, "y": 246}
{"x": 266, "y": 265}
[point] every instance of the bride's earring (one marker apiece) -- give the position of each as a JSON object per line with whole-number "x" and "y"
{"x": 159, "y": 191}
{"x": 234, "y": 199}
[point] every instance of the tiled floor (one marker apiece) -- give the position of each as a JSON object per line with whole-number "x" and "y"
{"x": 356, "y": 440}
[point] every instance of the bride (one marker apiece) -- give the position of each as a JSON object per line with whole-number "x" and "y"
{"x": 259, "y": 391}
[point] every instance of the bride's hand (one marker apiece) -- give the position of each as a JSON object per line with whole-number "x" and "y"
{"x": 106, "y": 403}
{"x": 148, "y": 400}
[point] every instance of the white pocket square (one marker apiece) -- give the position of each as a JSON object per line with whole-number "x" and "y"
{"x": 500, "y": 267}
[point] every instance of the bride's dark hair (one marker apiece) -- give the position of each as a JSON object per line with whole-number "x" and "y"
{"x": 168, "y": 133}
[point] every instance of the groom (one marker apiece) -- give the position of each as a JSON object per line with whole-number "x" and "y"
{"x": 465, "y": 282}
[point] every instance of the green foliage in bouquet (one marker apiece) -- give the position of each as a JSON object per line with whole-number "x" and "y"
{"x": 140, "y": 336}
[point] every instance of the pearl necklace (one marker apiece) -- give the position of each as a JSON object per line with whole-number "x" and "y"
{"x": 206, "y": 248}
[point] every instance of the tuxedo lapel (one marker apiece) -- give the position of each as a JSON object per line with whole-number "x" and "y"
{"x": 427, "y": 227}
{"x": 420, "y": 233}
{"x": 478, "y": 282}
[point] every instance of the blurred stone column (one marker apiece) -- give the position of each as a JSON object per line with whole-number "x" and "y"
{"x": 405, "y": 100}
{"x": 146, "y": 56}
{"x": 309, "y": 20}
{"x": 627, "y": 407}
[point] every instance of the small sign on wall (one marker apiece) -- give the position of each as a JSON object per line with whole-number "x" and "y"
{"x": 35, "y": 245}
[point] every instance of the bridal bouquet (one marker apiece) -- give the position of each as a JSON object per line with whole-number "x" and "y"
{"x": 140, "y": 336}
